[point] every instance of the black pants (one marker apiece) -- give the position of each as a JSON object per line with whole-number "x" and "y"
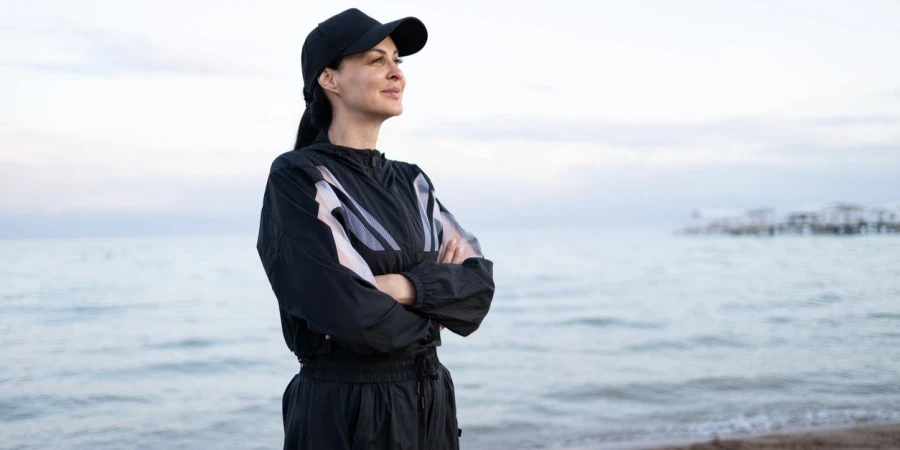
{"x": 397, "y": 402}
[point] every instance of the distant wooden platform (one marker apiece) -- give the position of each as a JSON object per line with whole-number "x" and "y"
{"x": 835, "y": 218}
{"x": 834, "y": 228}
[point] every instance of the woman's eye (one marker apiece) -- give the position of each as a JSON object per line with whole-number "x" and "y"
{"x": 380, "y": 60}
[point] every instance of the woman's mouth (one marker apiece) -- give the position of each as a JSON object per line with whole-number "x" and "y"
{"x": 392, "y": 93}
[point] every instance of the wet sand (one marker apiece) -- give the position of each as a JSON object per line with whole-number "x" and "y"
{"x": 882, "y": 436}
{"x": 858, "y": 438}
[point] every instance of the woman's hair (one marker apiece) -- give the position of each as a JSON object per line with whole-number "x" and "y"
{"x": 318, "y": 113}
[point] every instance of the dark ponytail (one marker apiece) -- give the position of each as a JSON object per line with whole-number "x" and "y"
{"x": 317, "y": 115}
{"x": 306, "y": 132}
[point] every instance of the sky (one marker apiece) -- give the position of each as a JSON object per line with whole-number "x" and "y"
{"x": 164, "y": 116}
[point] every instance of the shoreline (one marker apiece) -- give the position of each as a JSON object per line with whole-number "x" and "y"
{"x": 859, "y": 437}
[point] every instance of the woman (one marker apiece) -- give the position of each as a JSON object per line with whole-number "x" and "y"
{"x": 368, "y": 266}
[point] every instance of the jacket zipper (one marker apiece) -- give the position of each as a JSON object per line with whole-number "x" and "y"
{"x": 399, "y": 203}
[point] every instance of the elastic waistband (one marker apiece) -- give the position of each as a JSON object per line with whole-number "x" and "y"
{"x": 371, "y": 369}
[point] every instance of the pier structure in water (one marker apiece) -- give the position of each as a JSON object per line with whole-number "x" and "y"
{"x": 835, "y": 218}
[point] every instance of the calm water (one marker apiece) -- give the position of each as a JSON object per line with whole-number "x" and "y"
{"x": 174, "y": 343}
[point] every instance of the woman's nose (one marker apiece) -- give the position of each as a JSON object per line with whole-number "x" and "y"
{"x": 395, "y": 73}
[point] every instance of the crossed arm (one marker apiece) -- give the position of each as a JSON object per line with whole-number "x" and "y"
{"x": 318, "y": 277}
{"x": 402, "y": 288}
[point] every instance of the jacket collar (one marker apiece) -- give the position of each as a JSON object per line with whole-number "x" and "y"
{"x": 371, "y": 158}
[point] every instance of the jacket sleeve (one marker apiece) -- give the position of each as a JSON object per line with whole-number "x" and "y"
{"x": 317, "y": 276}
{"x": 457, "y": 295}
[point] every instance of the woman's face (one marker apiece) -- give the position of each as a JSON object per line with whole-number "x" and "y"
{"x": 371, "y": 83}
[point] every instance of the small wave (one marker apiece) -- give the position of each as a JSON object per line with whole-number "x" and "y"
{"x": 13, "y": 409}
{"x": 546, "y": 277}
{"x": 765, "y": 423}
{"x": 507, "y": 308}
{"x": 610, "y": 322}
{"x": 31, "y": 406}
{"x": 504, "y": 426}
{"x": 65, "y": 312}
{"x": 858, "y": 389}
{"x": 639, "y": 393}
{"x": 109, "y": 398}
{"x": 669, "y": 393}
{"x": 779, "y": 319}
{"x": 202, "y": 367}
{"x": 756, "y": 306}
{"x": 814, "y": 301}
{"x": 889, "y": 316}
{"x": 256, "y": 409}
{"x": 704, "y": 341}
{"x": 107, "y": 431}
{"x": 184, "y": 343}
{"x": 80, "y": 312}
{"x": 554, "y": 293}
{"x": 766, "y": 383}
{"x": 530, "y": 347}
{"x": 822, "y": 300}
{"x": 107, "y": 350}
{"x": 92, "y": 309}
{"x": 742, "y": 425}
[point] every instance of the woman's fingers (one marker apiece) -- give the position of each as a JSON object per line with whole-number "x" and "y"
{"x": 452, "y": 253}
{"x": 449, "y": 252}
{"x": 459, "y": 256}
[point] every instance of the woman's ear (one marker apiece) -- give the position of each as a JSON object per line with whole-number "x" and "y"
{"x": 327, "y": 81}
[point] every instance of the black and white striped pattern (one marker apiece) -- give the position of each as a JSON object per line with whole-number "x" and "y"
{"x": 357, "y": 227}
{"x": 347, "y": 255}
{"x": 426, "y": 198}
{"x": 440, "y": 222}
{"x": 439, "y": 226}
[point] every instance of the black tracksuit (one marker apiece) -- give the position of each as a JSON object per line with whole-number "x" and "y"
{"x": 333, "y": 218}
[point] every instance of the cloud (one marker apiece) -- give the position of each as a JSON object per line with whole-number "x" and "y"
{"x": 646, "y": 135}
{"x": 71, "y": 190}
{"x": 867, "y": 139}
{"x": 69, "y": 49}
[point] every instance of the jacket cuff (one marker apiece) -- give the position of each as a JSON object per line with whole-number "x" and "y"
{"x": 420, "y": 290}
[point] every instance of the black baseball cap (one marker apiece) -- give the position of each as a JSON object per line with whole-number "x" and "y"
{"x": 351, "y": 32}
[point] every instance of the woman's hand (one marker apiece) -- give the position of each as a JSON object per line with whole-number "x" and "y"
{"x": 397, "y": 286}
{"x": 453, "y": 253}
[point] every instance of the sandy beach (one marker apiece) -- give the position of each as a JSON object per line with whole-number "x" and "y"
{"x": 858, "y": 438}
{"x": 881, "y": 436}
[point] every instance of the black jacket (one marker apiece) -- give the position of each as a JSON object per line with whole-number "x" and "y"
{"x": 333, "y": 218}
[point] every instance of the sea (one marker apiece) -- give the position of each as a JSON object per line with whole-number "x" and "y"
{"x": 596, "y": 338}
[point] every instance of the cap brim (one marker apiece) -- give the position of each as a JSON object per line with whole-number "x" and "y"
{"x": 409, "y": 35}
